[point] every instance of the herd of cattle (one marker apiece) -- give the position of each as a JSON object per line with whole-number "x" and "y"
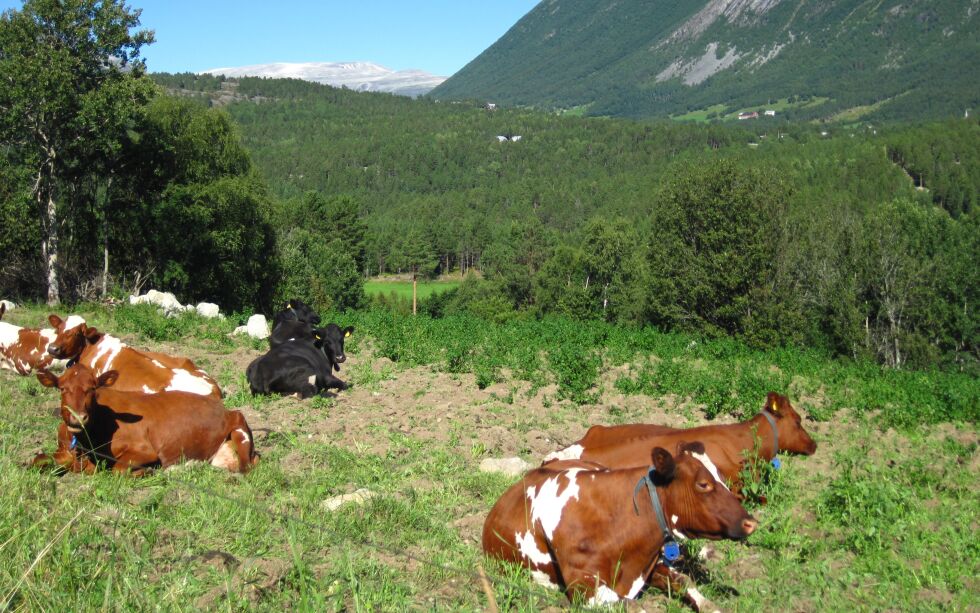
{"x": 600, "y": 519}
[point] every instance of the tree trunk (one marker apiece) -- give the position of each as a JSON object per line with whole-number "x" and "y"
{"x": 414, "y": 292}
{"x": 49, "y": 250}
{"x": 105, "y": 239}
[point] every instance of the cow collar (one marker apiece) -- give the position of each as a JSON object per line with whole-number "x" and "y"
{"x": 775, "y": 438}
{"x": 670, "y": 551}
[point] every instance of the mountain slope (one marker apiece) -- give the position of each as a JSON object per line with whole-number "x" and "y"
{"x": 360, "y": 76}
{"x": 641, "y": 58}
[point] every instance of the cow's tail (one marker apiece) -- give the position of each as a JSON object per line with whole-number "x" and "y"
{"x": 554, "y": 560}
{"x": 3, "y": 309}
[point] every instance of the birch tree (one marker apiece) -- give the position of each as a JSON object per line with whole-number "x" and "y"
{"x": 64, "y": 66}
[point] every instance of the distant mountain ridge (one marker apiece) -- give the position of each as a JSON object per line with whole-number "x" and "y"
{"x": 359, "y": 76}
{"x": 833, "y": 59}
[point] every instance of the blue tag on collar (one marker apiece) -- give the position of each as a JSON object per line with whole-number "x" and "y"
{"x": 74, "y": 441}
{"x": 776, "y": 463}
{"x": 672, "y": 551}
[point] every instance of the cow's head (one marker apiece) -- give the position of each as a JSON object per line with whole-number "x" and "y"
{"x": 299, "y": 311}
{"x": 72, "y": 336}
{"x": 696, "y": 503}
{"x": 77, "y": 385}
{"x": 789, "y": 424}
{"x": 331, "y": 340}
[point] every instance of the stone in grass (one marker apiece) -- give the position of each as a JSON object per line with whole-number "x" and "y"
{"x": 208, "y": 310}
{"x": 512, "y": 467}
{"x": 358, "y": 497}
{"x": 165, "y": 300}
{"x": 257, "y": 327}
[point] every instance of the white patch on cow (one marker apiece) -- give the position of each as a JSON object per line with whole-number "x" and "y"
{"x": 529, "y": 548}
{"x": 108, "y": 347}
{"x": 73, "y": 321}
{"x": 184, "y": 381}
{"x": 699, "y": 600}
{"x": 603, "y": 595}
{"x": 148, "y": 390}
{"x": 9, "y": 334}
{"x": 704, "y": 459}
{"x": 677, "y": 533}
{"x": 291, "y": 339}
{"x": 547, "y": 505}
{"x": 636, "y": 588}
{"x": 543, "y": 579}
{"x": 226, "y": 457}
{"x": 48, "y": 334}
{"x": 572, "y": 452}
{"x": 312, "y": 380}
{"x": 245, "y": 435}
{"x": 158, "y": 363}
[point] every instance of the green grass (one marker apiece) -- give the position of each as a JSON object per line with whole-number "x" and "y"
{"x": 883, "y": 517}
{"x": 403, "y": 289}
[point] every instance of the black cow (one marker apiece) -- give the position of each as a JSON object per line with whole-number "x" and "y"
{"x": 295, "y": 321}
{"x": 302, "y": 366}
{"x": 296, "y": 310}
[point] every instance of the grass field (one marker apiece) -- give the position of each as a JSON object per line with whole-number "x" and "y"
{"x": 403, "y": 289}
{"x": 882, "y": 517}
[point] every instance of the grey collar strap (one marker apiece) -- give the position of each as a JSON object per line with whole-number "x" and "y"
{"x": 647, "y": 479}
{"x": 775, "y": 432}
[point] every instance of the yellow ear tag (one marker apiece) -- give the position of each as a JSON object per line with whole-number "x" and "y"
{"x": 346, "y": 334}
{"x": 775, "y": 407}
{"x": 289, "y": 305}
{"x": 317, "y": 336}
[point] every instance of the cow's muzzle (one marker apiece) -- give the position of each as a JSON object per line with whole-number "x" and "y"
{"x": 56, "y": 351}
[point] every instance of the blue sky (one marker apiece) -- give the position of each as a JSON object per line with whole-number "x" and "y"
{"x": 437, "y": 36}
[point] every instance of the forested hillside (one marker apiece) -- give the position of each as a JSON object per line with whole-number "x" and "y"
{"x": 859, "y": 241}
{"x": 637, "y": 222}
{"x": 897, "y": 59}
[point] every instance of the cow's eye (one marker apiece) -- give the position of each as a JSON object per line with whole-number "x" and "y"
{"x": 705, "y": 486}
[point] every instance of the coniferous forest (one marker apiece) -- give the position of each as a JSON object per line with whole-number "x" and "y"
{"x": 860, "y": 240}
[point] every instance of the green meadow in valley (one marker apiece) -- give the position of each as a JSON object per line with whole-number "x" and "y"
{"x": 881, "y": 517}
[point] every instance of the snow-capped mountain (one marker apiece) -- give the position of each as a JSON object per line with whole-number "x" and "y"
{"x": 360, "y": 76}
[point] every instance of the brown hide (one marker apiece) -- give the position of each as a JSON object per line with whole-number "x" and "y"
{"x": 133, "y": 431}
{"x": 576, "y": 523}
{"x": 24, "y": 350}
{"x": 726, "y": 445}
{"x": 139, "y": 371}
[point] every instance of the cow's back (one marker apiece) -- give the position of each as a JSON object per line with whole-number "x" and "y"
{"x": 147, "y": 371}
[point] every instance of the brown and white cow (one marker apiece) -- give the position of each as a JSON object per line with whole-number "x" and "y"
{"x": 134, "y": 431}
{"x": 139, "y": 371}
{"x": 728, "y": 446}
{"x": 594, "y": 531}
{"x": 24, "y": 350}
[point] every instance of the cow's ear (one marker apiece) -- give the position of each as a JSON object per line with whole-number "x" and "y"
{"x": 773, "y": 403}
{"x": 106, "y": 379}
{"x": 348, "y": 331}
{"x": 92, "y": 335}
{"x": 692, "y": 447}
{"x": 3, "y": 308}
{"x": 47, "y": 378}
{"x": 54, "y": 320}
{"x": 663, "y": 463}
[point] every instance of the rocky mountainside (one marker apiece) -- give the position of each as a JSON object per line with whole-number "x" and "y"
{"x": 359, "y": 76}
{"x": 832, "y": 59}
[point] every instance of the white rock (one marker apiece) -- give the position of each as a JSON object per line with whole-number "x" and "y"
{"x": 165, "y": 300}
{"x": 208, "y": 309}
{"x": 257, "y": 327}
{"x": 512, "y": 467}
{"x": 10, "y": 305}
{"x": 359, "y": 497}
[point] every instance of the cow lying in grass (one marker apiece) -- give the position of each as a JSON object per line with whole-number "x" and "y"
{"x": 596, "y": 532}
{"x": 139, "y": 371}
{"x": 133, "y": 431}
{"x": 301, "y": 365}
{"x": 777, "y": 428}
{"x": 24, "y": 350}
